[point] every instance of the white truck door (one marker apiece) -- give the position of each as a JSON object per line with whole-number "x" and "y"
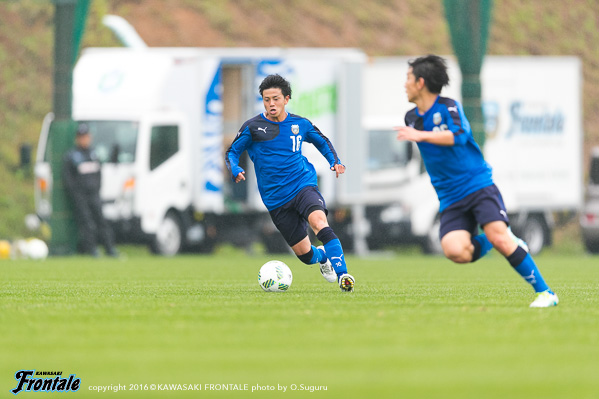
{"x": 163, "y": 188}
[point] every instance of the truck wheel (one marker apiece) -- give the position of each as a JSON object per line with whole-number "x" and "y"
{"x": 592, "y": 246}
{"x": 535, "y": 235}
{"x": 432, "y": 242}
{"x": 169, "y": 239}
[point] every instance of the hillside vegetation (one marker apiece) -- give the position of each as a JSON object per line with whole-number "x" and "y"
{"x": 379, "y": 27}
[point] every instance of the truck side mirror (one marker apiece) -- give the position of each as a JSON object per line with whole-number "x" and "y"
{"x": 25, "y": 155}
{"x": 594, "y": 169}
{"x": 114, "y": 154}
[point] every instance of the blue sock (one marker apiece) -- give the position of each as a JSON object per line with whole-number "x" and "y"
{"x": 526, "y": 267}
{"x": 318, "y": 256}
{"x": 335, "y": 254}
{"x": 482, "y": 245}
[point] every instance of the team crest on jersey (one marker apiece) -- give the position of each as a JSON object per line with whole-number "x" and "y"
{"x": 295, "y": 129}
{"x": 437, "y": 118}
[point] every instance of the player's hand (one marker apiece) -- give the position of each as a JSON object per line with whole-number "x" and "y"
{"x": 240, "y": 177}
{"x": 406, "y": 133}
{"x": 338, "y": 169}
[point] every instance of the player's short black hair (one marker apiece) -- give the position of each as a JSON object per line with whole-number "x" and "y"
{"x": 276, "y": 81}
{"x": 433, "y": 69}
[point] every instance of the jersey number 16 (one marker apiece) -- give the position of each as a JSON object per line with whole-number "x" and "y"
{"x": 297, "y": 142}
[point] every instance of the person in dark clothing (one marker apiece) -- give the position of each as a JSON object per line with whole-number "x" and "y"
{"x": 82, "y": 178}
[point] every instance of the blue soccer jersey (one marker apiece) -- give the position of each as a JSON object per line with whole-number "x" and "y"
{"x": 456, "y": 170}
{"x": 275, "y": 148}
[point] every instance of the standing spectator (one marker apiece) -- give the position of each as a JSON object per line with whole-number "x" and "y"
{"x": 82, "y": 178}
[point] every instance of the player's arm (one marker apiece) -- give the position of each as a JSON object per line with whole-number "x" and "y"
{"x": 442, "y": 137}
{"x": 239, "y": 145}
{"x": 324, "y": 145}
{"x": 454, "y": 134}
{"x": 458, "y": 124}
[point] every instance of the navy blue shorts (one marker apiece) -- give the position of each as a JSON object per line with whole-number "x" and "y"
{"x": 291, "y": 219}
{"x": 477, "y": 209}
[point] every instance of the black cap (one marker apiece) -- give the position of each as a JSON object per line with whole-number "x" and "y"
{"x": 82, "y": 129}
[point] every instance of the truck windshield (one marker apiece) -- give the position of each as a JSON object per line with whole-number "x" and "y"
{"x": 114, "y": 141}
{"x": 385, "y": 151}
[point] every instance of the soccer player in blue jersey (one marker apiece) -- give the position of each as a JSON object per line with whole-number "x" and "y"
{"x": 461, "y": 177}
{"x": 287, "y": 181}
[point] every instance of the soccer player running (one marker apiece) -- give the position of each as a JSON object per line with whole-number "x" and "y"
{"x": 461, "y": 177}
{"x": 287, "y": 181}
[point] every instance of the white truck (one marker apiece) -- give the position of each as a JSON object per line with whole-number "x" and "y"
{"x": 162, "y": 118}
{"x": 533, "y": 122}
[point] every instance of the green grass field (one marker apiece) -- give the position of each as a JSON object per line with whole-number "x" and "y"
{"x": 416, "y": 327}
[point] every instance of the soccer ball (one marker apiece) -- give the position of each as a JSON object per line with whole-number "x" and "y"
{"x": 275, "y": 276}
{"x": 36, "y": 249}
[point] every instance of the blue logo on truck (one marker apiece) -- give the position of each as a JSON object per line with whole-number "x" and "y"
{"x": 212, "y": 133}
{"x": 535, "y": 122}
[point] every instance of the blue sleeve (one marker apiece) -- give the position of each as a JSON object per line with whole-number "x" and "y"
{"x": 458, "y": 124}
{"x": 239, "y": 145}
{"x": 323, "y": 144}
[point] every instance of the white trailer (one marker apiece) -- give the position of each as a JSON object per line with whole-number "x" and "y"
{"x": 533, "y": 122}
{"x": 162, "y": 118}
